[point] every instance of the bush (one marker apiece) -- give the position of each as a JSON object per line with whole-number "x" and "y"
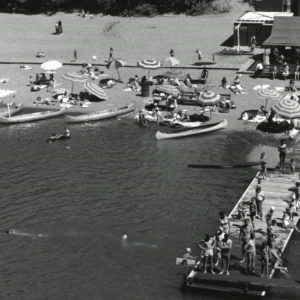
{"x": 146, "y": 9}
{"x": 221, "y": 6}
{"x": 199, "y": 8}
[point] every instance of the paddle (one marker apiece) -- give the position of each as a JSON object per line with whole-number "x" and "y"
{"x": 245, "y": 165}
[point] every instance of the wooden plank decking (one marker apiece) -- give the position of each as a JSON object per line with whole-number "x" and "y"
{"x": 276, "y": 192}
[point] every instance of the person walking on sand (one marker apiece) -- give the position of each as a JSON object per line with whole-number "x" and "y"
{"x": 172, "y": 53}
{"x": 111, "y": 52}
{"x": 75, "y": 55}
{"x": 199, "y": 54}
{"x": 282, "y": 148}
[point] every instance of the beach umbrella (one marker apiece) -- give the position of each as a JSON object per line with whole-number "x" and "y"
{"x": 287, "y": 108}
{"x": 167, "y": 89}
{"x": 171, "y": 61}
{"x": 268, "y": 93}
{"x": 75, "y": 77}
{"x": 51, "y": 65}
{"x": 204, "y": 62}
{"x": 209, "y": 98}
{"x": 94, "y": 89}
{"x": 173, "y": 74}
{"x": 117, "y": 64}
{"x": 149, "y": 64}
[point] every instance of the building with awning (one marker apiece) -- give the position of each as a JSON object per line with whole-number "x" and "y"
{"x": 285, "y": 33}
{"x": 255, "y": 23}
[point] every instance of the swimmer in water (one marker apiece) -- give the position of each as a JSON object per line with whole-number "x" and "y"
{"x": 26, "y": 234}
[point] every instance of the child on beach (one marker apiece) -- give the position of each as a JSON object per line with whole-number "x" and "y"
{"x": 292, "y": 166}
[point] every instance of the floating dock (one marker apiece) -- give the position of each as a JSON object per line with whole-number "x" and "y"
{"x": 276, "y": 191}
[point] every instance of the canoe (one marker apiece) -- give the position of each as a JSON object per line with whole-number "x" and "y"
{"x": 244, "y": 165}
{"x": 13, "y": 109}
{"x": 199, "y": 130}
{"x": 101, "y": 115}
{"x": 179, "y": 124}
{"x": 36, "y": 116}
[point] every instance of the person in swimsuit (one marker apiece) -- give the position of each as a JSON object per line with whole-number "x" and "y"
{"x": 282, "y": 148}
{"x": 226, "y": 245}
{"x": 207, "y": 245}
{"x": 251, "y": 254}
{"x": 245, "y": 231}
{"x": 224, "y": 222}
{"x": 263, "y": 166}
{"x": 264, "y": 258}
{"x": 259, "y": 198}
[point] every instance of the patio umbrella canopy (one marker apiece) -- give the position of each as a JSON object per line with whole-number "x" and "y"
{"x": 75, "y": 77}
{"x": 94, "y": 89}
{"x": 167, "y": 89}
{"x": 149, "y": 64}
{"x": 287, "y": 108}
{"x": 171, "y": 61}
{"x": 51, "y": 65}
{"x": 117, "y": 64}
{"x": 209, "y": 98}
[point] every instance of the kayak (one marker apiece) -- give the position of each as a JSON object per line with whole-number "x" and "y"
{"x": 189, "y": 132}
{"x": 13, "y": 109}
{"x": 36, "y": 116}
{"x": 59, "y": 137}
{"x": 101, "y": 115}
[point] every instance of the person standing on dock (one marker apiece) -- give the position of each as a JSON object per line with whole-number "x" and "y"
{"x": 207, "y": 245}
{"x": 224, "y": 223}
{"x": 282, "y": 148}
{"x": 226, "y": 245}
{"x": 252, "y": 210}
{"x": 245, "y": 232}
{"x": 264, "y": 258}
{"x": 250, "y": 249}
{"x": 263, "y": 166}
{"x": 269, "y": 216}
{"x": 259, "y": 198}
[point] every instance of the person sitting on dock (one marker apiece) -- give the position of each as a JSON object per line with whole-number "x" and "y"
{"x": 242, "y": 211}
{"x": 269, "y": 216}
{"x": 224, "y": 223}
{"x": 251, "y": 254}
{"x": 207, "y": 245}
{"x": 271, "y": 232}
{"x": 275, "y": 258}
{"x": 245, "y": 231}
{"x": 264, "y": 258}
{"x": 296, "y": 192}
{"x": 226, "y": 245}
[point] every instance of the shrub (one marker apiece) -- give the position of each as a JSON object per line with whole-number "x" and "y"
{"x": 221, "y": 6}
{"x": 146, "y": 9}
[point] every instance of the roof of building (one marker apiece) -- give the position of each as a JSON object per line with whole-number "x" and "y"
{"x": 285, "y": 32}
{"x": 262, "y": 16}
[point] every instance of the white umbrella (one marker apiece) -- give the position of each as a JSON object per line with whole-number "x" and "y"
{"x": 171, "y": 61}
{"x": 4, "y": 93}
{"x": 51, "y": 65}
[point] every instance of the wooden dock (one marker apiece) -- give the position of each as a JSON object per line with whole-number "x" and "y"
{"x": 276, "y": 192}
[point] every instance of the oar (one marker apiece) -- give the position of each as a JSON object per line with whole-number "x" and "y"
{"x": 245, "y": 165}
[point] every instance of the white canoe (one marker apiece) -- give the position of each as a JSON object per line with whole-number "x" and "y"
{"x": 13, "y": 109}
{"x": 36, "y": 116}
{"x": 202, "y": 129}
{"x": 179, "y": 124}
{"x": 101, "y": 115}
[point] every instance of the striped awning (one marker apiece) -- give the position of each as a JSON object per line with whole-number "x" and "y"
{"x": 268, "y": 93}
{"x": 287, "y": 108}
{"x": 94, "y": 89}
{"x": 209, "y": 98}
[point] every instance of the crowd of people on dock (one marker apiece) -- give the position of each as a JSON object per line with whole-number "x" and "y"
{"x": 216, "y": 250}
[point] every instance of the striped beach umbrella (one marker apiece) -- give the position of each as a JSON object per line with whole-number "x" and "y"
{"x": 149, "y": 64}
{"x": 287, "y": 108}
{"x": 209, "y": 98}
{"x": 173, "y": 74}
{"x": 167, "y": 89}
{"x": 75, "y": 77}
{"x": 268, "y": 93}
{"x": 94, "y": 89}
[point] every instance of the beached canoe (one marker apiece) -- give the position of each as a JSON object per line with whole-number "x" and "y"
{"x": 36, "y": 116}
{"x": 12, "y": 110}
{"x": 101, "y": 115}
{"x": 199, "y": 130}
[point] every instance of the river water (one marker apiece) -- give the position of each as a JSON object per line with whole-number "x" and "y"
{"x": 70, "y": 202}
